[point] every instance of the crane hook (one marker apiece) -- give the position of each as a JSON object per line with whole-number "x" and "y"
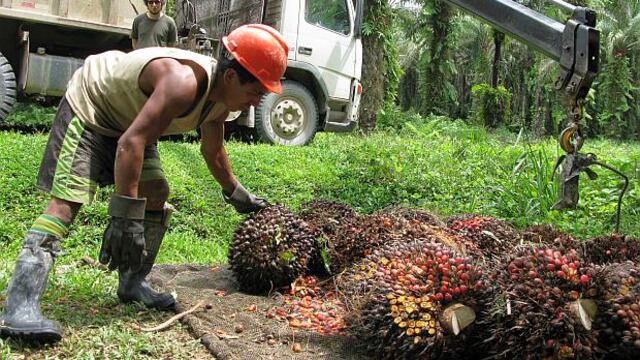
{"x": 571, "y": 139}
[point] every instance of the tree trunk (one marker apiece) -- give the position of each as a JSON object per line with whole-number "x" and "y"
{"x": 407, "y": 91}
{"x": 634, "y": 62}
{"x": 433, "y": 96}
{"x": 498, "y": 38}
{"x": 373, "y": 70}
{"x": 549, "y": 127}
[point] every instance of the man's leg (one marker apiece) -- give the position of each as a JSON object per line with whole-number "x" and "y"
{"x": 22, "y": 316}
{"x": 132, "y": 285}
{"x": 69, "y": 172}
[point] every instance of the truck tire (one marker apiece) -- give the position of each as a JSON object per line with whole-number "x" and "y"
{"x": 7, "y": 87}
{"x": 290, "y": 118}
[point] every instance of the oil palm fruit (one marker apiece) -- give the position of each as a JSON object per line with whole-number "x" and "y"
{"x": 325, "y": 217}
{"x": 549, "y": 236}
{"x": 416, "y": 216}
{"x": 412, "y": 299}
{"x": 618, "y": 323}
{"x": 270, "y": 249}
{"x": 614, "y": 248}
{"x": 353, "y": 241}
{"x": 491, "y": 236}
{"x": 542, "y": 307}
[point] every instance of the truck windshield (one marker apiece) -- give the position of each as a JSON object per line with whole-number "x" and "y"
{"x": 330, "y": 14}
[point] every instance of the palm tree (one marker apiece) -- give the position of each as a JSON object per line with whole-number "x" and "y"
{"x": 437, "y": 94}
{"x": 473, "y": 46}
{"x": 377, "y": 17}
{"x": 409, "y": 44}
{"x": 619, "y": 84}
{"x": 544, "y": 98}
{"x": 498, "y": 39}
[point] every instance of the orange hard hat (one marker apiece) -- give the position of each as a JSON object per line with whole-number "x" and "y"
{"x": 262, "y": 51}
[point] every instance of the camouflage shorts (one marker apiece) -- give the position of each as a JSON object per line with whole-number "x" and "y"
{"x": 77, "y": 159}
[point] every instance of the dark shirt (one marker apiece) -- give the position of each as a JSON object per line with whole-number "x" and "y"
{"x": 149, "y": 33}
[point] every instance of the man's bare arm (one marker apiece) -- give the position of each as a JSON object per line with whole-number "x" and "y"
{"x": 173, "y": 88}
{"x": 212, "y": 149}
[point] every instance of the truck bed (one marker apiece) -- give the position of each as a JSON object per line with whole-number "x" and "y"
{"x": 114, "y": 16}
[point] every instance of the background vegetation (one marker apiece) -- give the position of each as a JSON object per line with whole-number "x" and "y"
{"x": 433, "y": 163}
{"x": 427, "y": 56}
{"x": 445, "y": 54}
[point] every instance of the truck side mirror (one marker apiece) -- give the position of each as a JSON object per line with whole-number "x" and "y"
{"x": 357, "y": 29}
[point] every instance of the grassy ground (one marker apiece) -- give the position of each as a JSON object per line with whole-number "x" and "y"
{"x": 445, "y": 167}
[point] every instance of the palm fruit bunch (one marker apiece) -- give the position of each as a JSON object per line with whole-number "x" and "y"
{"x": 415, "y": 216}
{"x": 549, "y": 236}
{"x": 540, "y": 307}
{"x": 353, "y": 241}
{"x": 325, "y": 217}
{"x": 270, "y": 249}
{"x": 411, "y": 300}
{"x": 618, "y": 324}
{"x": 492, "y": 237}
{"x": 415, "y": 224}
{"x": 403, "y": 232}
{"x": 611, "y": 249}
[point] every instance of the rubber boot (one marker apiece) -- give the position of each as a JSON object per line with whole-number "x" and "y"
{"x": 22, "y": 317}
{"x": 132, "y": 286}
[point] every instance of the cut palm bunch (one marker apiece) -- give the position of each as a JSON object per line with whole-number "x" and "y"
{"x": 270, "y": 249}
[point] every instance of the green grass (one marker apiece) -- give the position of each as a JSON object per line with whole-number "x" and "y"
{"x": 442, "y": 166}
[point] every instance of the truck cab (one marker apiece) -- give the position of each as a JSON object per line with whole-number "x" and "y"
{"x": 321, "y": 86}
{"x": 43, "y": 42}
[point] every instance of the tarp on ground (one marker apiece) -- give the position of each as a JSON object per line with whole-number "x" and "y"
{"x": 231, "y": 310}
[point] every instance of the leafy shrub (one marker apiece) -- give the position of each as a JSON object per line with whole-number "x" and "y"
{"x": 390, "y": 117}
{"x": 29, "y": 117}
{"x": 492, "y": 106}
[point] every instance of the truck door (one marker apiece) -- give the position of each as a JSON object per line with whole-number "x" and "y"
{"x": 325, "y": 40}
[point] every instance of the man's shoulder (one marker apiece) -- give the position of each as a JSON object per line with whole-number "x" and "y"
{"x": 169, "y": 19}
{"x": 140, "y": 17}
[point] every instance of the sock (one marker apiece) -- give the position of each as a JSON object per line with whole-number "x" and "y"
{"x": 154, "y": 216}
{"x": 50, "y": 225}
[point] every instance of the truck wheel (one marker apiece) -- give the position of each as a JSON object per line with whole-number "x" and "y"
{"x": 290, "y": 118}
{"x": 7, "y": 87}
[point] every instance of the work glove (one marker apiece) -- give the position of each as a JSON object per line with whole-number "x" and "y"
{"x": 243, "y": 201}
{"x": 123, "y": 244}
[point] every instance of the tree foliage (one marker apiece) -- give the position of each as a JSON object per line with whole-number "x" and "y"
{"x": 437, "y": 94}
{"x": 618, "y": 87}
{"x": 492, "y": 105}
{"x": 381, "y": 70}
{"x": 446, "y": 52}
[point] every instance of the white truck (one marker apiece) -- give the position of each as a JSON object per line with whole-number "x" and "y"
{"x": 321, "y": 86}
{"x": 42, "y": 42}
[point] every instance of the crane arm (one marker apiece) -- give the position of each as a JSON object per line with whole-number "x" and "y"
{"x": 575, "y": 45}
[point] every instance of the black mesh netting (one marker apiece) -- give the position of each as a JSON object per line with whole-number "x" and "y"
{"x": 218, "y": 17}
{"x": 231, "y": 310}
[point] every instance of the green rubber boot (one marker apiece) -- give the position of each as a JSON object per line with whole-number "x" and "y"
{"x": 132, "y": 286}
{"x": 22, "y": 317}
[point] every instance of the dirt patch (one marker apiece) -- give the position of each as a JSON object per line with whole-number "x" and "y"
{"x": 235, "y": 324}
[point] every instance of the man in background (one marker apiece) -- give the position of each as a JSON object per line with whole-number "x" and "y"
{"x": 154, "y": 27}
